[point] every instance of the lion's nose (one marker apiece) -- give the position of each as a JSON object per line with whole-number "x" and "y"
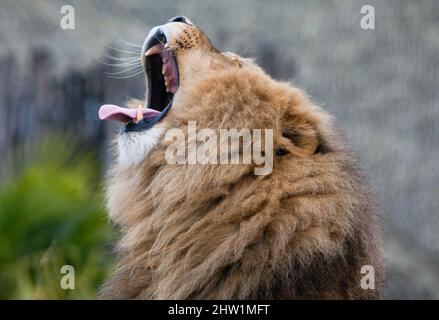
{"x": 181, "y": 19}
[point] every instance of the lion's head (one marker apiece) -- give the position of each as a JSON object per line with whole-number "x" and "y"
{"x": 215, "y": 230}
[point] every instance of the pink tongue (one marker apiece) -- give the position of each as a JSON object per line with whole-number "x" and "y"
{"x": 113, "y": 112}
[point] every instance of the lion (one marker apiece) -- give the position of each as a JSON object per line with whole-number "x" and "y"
{"x": 306, "y": 230}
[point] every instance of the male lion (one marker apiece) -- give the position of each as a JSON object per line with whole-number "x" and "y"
{"x": 216, "y": 231}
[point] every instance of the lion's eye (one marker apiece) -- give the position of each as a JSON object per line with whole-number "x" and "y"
{"x": 281, "y": 152}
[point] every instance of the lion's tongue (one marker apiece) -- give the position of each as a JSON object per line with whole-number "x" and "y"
{"x": 113, "y": 112}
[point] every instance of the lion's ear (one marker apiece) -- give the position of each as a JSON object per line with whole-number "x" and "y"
{"x": 300, "y": 135}
{"x": 304, "y": 143}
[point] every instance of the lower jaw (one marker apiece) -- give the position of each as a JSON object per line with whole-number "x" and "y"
{"x": 146, "y": 123}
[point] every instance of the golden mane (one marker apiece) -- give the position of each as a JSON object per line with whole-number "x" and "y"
{"x": 220, "y": 232}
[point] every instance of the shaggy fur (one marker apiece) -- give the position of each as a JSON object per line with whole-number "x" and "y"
{"x": 219, "y": 231}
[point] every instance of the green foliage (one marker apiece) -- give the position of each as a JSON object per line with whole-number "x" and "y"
{"x": 52, "y": 214}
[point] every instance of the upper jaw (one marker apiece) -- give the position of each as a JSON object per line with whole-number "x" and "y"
{"x": 161, "y": 71}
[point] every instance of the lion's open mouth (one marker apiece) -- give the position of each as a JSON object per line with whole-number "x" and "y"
{"x": 162, "y": 78}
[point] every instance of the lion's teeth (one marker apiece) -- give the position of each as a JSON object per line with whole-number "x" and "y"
{"x": 158, "y": 48}
{"x": 139, "y": 113}
{"x": 167, "y": 82}
{"x": 164, "y": 68}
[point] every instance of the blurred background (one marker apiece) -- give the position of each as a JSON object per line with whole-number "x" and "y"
{"x": 382, "y": 86}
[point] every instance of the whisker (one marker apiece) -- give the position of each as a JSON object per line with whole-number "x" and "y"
{"x": 126, "y": 41}
{"x": 136, "y": 68}
{"x": 124, "y": 51}
{"x": 173, "y": 47}
{"x": 122, "y": 64}
{"x": 126, "y": 77}
{"x": 120, "y": 58}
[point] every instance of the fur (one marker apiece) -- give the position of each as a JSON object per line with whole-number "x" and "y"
{"x": 135, "y": 146}
{"x": 219, "y": 231}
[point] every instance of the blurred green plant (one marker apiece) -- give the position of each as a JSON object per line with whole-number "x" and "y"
{"x": 52, "y": 214}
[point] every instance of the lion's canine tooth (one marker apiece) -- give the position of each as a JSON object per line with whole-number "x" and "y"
{"x": 164, "y": 68}
{"x": 167, "y": 82}
{"x": 158, "y": 48}
{"x": 139, "y": 113}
